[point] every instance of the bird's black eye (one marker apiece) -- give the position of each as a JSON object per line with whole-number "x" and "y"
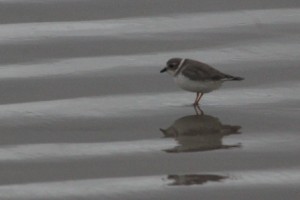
{"x": 172, "y": 65}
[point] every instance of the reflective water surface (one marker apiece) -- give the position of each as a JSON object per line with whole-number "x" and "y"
{"x": 85, "y": 113}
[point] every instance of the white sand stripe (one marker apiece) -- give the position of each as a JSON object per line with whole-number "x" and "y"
{"x": 119, "y": 27}
{"x": 262, "y": 51}
{"x": 65, "y": 151}
{"x": 138, "y": 104}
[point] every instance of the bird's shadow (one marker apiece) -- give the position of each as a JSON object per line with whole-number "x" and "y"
{"x": 194, "y": 179}
{"x": 199, "y": 132}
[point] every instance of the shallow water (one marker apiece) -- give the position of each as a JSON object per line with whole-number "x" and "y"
{"x": 86, "y": 114}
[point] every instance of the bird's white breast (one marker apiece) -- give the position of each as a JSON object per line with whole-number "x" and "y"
{"x": 196, "y": 86}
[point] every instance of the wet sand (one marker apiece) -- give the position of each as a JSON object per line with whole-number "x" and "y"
{"x": 85, "y": 113}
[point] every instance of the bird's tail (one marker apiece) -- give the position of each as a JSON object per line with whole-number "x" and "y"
{"x": 237, "y": 78}
{"x": 234, "y": 78}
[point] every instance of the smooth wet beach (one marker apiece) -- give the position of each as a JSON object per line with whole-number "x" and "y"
{"x": 85, "y": 113}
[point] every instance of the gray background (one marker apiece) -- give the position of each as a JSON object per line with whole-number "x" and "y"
{"x": 83, "y": 102}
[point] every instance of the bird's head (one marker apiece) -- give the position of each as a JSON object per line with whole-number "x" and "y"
{"x": 172, "y": 65}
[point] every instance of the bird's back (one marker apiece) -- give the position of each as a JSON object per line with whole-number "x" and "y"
{"x": 198, "y": 71}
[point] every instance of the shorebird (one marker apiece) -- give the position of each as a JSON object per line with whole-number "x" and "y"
{"x": 196, "y": 76}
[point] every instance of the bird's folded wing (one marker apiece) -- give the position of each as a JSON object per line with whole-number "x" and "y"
{"x": 198, "y": 71}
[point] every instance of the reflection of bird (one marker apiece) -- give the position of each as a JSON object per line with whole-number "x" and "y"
{"x": 194, "y": 179}
{"x": 195, "y": 76}
{"x": 199, "y": 133}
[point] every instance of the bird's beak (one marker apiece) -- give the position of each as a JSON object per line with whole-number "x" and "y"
{"x": 163, "y": 70}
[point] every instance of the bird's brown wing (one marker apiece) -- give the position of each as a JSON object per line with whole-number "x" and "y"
{"x": 199, "y": 71}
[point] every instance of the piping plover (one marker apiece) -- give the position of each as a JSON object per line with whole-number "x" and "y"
{"x": 196, "y": 76}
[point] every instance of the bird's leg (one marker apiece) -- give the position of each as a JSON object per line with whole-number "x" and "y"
{"x": 199, "y": 96}
{"x": 196, "y": 100}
